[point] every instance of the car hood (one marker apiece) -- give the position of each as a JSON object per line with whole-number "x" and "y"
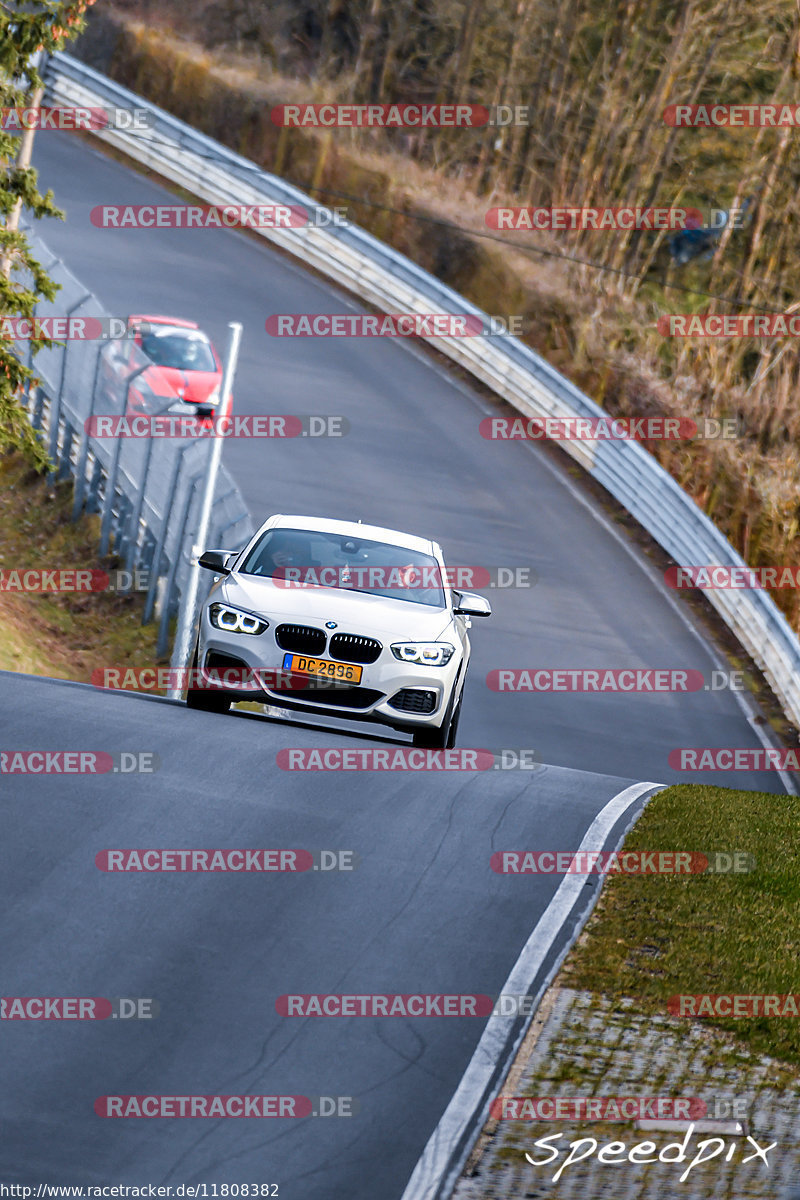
{"x": 196, "y": 386}
{"x": 353, "y": 612}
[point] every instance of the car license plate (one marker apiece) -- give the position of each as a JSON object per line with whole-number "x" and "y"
{"x": 322, "y": 668}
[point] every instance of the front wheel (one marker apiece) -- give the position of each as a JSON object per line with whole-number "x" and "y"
{"x": 443, "y": 738}
{"x": 203, "y": 698}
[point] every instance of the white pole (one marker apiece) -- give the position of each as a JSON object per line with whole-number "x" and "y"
{"x": 187, "y": 618}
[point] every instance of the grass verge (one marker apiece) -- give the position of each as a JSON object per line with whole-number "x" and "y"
{"x": 656, "y": 936}
{"x": 66, "y": 635}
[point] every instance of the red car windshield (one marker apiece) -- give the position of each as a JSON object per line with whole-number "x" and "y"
{"x": 178, "y": 351}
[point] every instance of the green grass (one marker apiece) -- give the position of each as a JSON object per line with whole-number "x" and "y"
{"x": 652, "y": 937}
{"x": 66, "y": 636}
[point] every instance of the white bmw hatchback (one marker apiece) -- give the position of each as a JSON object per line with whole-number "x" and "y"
{"x": 337, "y": 618}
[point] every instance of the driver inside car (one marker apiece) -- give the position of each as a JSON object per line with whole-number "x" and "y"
{"x": 285, "y": 550}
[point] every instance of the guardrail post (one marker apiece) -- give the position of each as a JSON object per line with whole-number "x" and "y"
{"x": 149, "y": 603}
{"x": 65, "y": 462}
{"x": 55, "y": 416}
{"x": 163, "y": 628}
{"x": 83, "y": 453}
{"x": 93, "y": 491}
{"x": 38, "y": 406}
{"x": 113, "y": 471}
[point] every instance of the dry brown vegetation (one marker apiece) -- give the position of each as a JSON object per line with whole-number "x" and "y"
{"x": 597, "y": 77}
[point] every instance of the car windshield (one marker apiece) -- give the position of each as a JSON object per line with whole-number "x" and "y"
{"x": 303, "y": 557}
{"x": 183, "y": 351}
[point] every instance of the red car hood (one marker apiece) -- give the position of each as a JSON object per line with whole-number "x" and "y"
{"x": 196, "y": 386}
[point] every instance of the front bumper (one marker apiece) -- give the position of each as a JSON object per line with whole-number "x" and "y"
{"x": 402, "y": 695}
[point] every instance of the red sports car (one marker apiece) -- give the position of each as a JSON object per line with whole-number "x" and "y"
{"x": 185, "y": 365}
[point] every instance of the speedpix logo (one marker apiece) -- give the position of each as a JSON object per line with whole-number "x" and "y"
{"x": 617, "y": 1153}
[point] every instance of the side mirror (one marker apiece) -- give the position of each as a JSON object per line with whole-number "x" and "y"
{"x": 217, "y": 560}
{"x": 469, "y": 604}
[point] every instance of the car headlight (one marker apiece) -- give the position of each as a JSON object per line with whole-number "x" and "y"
{"x": 427, "y": 654}
{"x": 213, "y": 398}
{"x": 234, "y": 620}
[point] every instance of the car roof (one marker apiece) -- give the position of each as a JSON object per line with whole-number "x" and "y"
{"x": 177, "y": 322}
{"x": 377, "y": 533}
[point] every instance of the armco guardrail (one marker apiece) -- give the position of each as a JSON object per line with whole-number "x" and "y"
{"x": 147, "y": 490}
{"x": 393, "y": 283}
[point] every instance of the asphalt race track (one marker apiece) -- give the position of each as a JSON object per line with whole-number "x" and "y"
{"x": 423, "y": 912}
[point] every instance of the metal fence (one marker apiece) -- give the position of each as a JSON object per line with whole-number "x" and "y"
{"x": 393, "y": 283}
{"x": 146, "y": 489}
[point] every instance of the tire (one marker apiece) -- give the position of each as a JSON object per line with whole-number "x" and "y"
{"x": 451, "y": 737}
{"x": 443, "y": 738}
{"x": 204, "y": 699}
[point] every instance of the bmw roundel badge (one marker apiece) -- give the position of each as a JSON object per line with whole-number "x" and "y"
{"x": 330, "y": 625}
